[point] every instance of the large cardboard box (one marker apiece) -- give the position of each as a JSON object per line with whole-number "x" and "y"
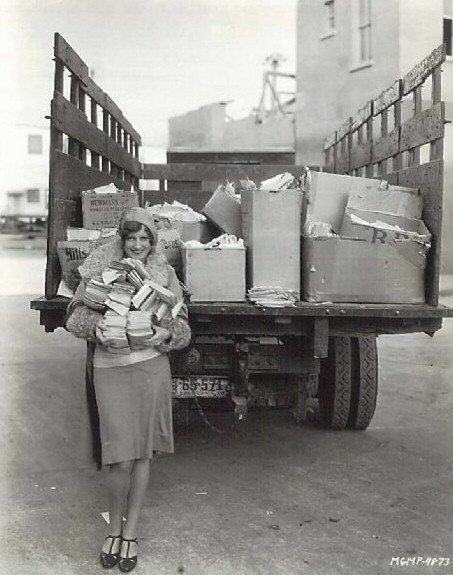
{"x": 214, "y": 274}
{"x": 103, "y": 210}
{"x": 327, "y": 195}
{"x": 379, "y": 255}
{"x": 224, "y": 210}
{"x": 339, "y": 269}
{"x": 271, "y": 224}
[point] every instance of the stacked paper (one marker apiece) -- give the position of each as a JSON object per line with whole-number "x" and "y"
{"x": 119, "y": 298}
{"x": 115, "y": 332}
{"x": 176, "y": 211}
{"x": 96, "y": 293}
{"x": 273, "y": 297}
{"x": 139, "y": 329}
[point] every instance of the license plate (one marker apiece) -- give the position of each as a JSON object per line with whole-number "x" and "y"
{"x": 202, "y": 386}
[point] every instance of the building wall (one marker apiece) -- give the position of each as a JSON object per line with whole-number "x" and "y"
{"x": 200, "y": 128}
{"x": 274, "y": 132}
{"x": 209, "y": 127}
{"x": 330, "y": 88}
{"x": 23, "y": 170}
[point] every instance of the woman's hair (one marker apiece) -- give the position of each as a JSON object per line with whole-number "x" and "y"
{"x": 132, "y": 228}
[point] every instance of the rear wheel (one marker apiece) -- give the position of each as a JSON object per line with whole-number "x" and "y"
{"x": 348, "y": 383}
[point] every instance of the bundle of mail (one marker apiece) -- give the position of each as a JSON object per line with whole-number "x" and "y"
{"x": 132, "y": 303}
{"x": 114, "y": 331}
{"x": 273, "y": 296}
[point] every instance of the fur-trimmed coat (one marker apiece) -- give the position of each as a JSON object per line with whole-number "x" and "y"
{"x": 81, "y": 320}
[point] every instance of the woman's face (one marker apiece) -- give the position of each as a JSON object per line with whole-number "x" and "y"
{"x": 138, "y": 245}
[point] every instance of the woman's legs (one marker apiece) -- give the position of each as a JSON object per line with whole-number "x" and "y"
{"x": 139, "y": 479}
{"x": 119, "y": 485}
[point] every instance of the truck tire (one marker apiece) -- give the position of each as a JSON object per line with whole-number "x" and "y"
{"x": 334, "y": 391}
{"x": 348, "y": 383}
{"x": 364, "y": 382}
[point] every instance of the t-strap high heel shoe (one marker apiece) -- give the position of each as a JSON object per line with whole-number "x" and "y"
{"x": 109, "y": 559}
{"x": 127, "y": 563}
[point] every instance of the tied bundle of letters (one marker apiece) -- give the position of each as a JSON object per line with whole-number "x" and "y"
{"x": 273, "y": 297}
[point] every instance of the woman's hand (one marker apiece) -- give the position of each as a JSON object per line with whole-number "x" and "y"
{"x": 161, "y": 335}
{"x": 100, "y": 337}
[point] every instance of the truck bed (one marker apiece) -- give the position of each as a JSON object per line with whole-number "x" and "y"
{"x": 223, "y": 318}
{"x": 354, "y": 149}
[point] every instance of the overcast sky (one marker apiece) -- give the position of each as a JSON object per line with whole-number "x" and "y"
{"x": 155, "y": 58}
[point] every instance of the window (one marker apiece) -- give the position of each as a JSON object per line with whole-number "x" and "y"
{"x": 448, "y": 28}
{"x": 35, "y": 144}
{"x": 329, "y": 19}
{"x": 33, "y": 196}
{"x": 362, "y": 32}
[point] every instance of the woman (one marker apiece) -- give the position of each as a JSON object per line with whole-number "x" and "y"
{"x": 129, "y": 396}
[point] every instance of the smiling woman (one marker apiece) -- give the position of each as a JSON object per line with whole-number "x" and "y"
{"x": 129, "y": 407}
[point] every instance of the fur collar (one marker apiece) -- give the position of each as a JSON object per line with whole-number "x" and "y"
{"x": 100, "y": 259}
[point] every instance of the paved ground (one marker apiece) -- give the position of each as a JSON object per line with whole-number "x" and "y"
{"x": 272, "y": 498}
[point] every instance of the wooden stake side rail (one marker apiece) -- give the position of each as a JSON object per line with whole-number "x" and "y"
{"x": 366, "y": 146}
{"x": 91, "y": 144}
{"x": 193, "y": 183}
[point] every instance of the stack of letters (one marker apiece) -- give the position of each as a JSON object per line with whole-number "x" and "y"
{"x": 132, "y": 302}
{"x": 115, "y": 332}
{"x": 139, "y": 329}
{"x": 273, "y": 297}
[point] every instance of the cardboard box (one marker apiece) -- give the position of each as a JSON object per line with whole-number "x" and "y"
{"x": 344, "y": 270}
{"x": 271, "y": 224}
{"x": 199, "y": 231}
{"x": 224, "y": 211}
{"x": 327, "y": 195}
{"x": 379, "y": 227}
{"x": 214, "y": 274}
{"x": 103, "y": 210}
{"x": 395, "y": 200}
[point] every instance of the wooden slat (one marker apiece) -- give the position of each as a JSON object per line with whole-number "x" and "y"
{"x": 360, "y": 156}
{"x": 68, "y": 177}
{"x": 330, "y": 140}
{"x": 387, "y": 97}
{"x": 362, "y": 116}
{"x": 423, "y": 69}
{"x": 344, "y": 129}
{"x": 423, "y": 128}
{"x": 429, "y": 178}
{"x": 200, "y": 172}
{"x": 398, "y": 163}
{"x": 68, "y": 119}
{"x": 385, "y": 147}
{"x": 342, "y": 165}
{"x": 104, "y": 100}
{"x": 70, "y": 58}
